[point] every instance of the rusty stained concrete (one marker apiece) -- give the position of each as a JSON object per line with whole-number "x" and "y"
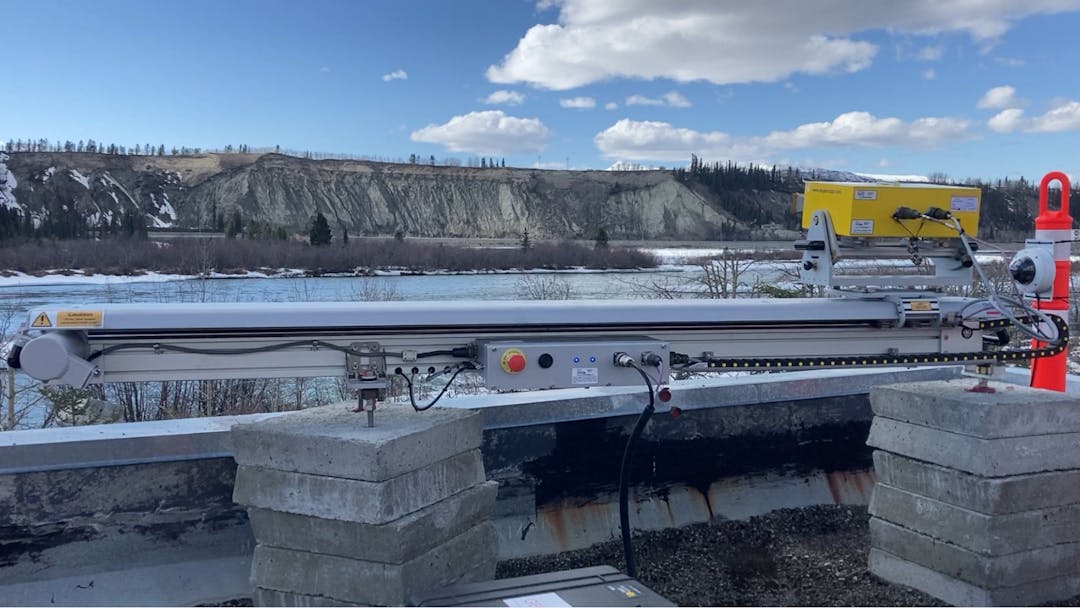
{"x": 559, "y": 482}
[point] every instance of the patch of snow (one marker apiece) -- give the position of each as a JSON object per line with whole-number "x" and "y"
{"x": 885, "y": 177}
{"x": 47, "y": 174}
{"x": 79, "y": 177}
{"x": 25, "y": 280}
{"x": 117, "y": 185}
{"x": 622, "y": 165}
{"x": 159, "y": 223}
{"x": 166, "y": 208}
{"x": 7, "y": 186}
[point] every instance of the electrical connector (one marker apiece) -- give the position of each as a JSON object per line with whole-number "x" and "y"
{"x": 623, "y": 360}
{"x": 652, "y": 359}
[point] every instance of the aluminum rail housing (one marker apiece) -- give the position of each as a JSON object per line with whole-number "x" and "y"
{"x": 137, "y": 342}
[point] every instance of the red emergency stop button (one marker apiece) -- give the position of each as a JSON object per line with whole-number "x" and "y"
{"x": 513, "y": 361}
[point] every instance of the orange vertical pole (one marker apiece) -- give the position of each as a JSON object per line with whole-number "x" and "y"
{"x": 1055, "y": 226}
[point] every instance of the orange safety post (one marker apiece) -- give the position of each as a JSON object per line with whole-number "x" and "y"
{"x": 1054, "y": 226}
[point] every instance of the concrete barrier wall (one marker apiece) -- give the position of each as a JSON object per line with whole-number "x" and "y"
{"x": 142, "y": 513}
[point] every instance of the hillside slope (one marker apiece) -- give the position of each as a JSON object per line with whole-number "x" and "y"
{"x": 370, "y": 198}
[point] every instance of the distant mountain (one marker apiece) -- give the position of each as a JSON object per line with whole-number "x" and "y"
{"x": 73, "y": 194}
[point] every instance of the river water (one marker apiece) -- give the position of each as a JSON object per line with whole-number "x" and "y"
{"x": 674, "y": 275}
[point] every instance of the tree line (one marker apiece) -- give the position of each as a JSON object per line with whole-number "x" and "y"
{"x": 90, "y": 146}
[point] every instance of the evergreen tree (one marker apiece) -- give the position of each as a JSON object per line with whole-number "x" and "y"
{"x": 601, "y": 239}
{"x": 319, "y": 234}
{"x": 236, "y": 225}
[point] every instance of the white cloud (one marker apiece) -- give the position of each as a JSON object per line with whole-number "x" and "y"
{"x": 675, "y": 100}
{"x": 580, "y": 103}
{"x": 641, "y": 100}
{"x": 487, "y": 132}
{"x": 931, "y": 53}
{"x": 865, "y": 129}
{"x": 504, "y": 97}
{"x": 1064, "y": 115}
{"x": 929, "y": 74}
{"x": 671, "y": 99}
{"x": 324, "y": 69}
{"x": 999, "y": 98}
{"x": 1006, "y": 121}
{"x": 728, "y": 42}
{"x": 611, "y": 105}
{"x": 398, "y": 74}
{"x": 651, "y": 140}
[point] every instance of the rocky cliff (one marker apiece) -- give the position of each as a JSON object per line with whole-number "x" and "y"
{"x": 369, "y": 198}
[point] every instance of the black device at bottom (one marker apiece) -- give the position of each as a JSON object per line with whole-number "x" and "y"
{"x": 595, "y": 586}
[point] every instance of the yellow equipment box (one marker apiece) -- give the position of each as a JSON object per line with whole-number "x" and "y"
{"x": 866, "y": 209}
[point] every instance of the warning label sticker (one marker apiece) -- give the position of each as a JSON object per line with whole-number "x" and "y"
{"x": 859, "y": 227}
{"x": 585, "y": 375}
{"x": 42, "y": 320}
{"x": 79, "y": 318}
{"x": 866, "y": 195}
{"x": 964, "y": 203}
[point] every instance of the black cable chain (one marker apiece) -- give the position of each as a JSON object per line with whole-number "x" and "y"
{"x": 1001, "y": 356}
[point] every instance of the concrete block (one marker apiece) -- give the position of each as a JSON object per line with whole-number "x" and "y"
{"x": 393, "y": 543}
{"x": 1012, "y": 411}
{"x": 981, "y": 570}
{"x": 271, "y": 597}
{"x": 467, "y": 557}
{"x": 992, "y": 535}
{"x": 353, "y": 500}
{"x": 335, "y": 441}
{"x": 989, "y": 495}
{"x": 997, "y": 457}
{"x": 900, "y": 571}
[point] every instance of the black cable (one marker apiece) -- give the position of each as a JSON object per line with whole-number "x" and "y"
{"x": 624, "y": 475}
{"x": 239, "y": 351}
{"x": 202, "y": 351}
{"x": 1035, "y": 363}
{"x": 412, "y": 398}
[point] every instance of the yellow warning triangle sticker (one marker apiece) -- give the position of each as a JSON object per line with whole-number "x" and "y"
{"x": 42, "y": 320}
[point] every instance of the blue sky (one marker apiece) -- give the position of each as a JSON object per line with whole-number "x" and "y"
{"x": 968, "y": 88}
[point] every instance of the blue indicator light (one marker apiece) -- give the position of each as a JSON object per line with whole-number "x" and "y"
{"x": 592, "y": 359}
{"x": 577, "y": 359}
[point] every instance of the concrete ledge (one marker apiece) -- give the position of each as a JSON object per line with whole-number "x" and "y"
{"x": 992, "y": 496}
{"x": 1011, "y": 411}
{"x": 469, "y": 556}
{"x": 991, "y": 535}
{"x": 392, "y": 543}
{"x": 353, "y": 500}
{"x": 987, "y": 572}
{"x": 333, "y": 441}
{"x": 104, "y": 445}
{"x": 900, "y": 571}
{"x": 987, "y": 457}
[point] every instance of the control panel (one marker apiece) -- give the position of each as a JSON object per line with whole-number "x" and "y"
{"x": 538, "y": 364}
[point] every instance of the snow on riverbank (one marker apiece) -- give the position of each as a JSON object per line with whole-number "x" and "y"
{"x": 19, "y": 279}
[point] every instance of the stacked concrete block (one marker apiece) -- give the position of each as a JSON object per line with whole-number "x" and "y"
{"x": 977, "y": 500}
{"x": 346, "y": 514}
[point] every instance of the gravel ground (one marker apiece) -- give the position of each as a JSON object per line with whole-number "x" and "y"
{"x": 814, "y": 556}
